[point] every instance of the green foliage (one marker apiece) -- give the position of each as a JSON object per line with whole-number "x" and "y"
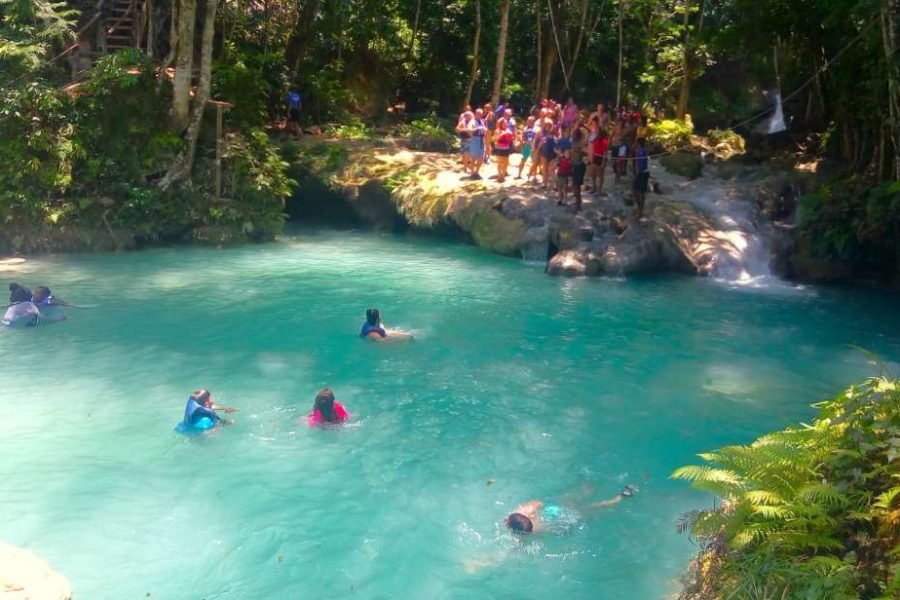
{"x": 731, "y": 142}
{"x": 428, "y": 134}
{"x": 253, "y": 84}
{"x": 352, "y": 128}
{"x": 808, "y": 512}
{"x": 28, "y": 29}
{"x": 671, "y": 134}
{"x": 854, "y": 223}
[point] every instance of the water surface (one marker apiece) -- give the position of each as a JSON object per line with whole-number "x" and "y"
{"x": 519, "y": 386}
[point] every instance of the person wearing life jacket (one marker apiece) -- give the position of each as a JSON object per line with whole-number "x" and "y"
{"x": 326, "y": 410}
{"x": 200, "y": 413}
{"x": 22, "y": 312}
{"x": 50, "y": 307}
{"x": 373, "y": 329}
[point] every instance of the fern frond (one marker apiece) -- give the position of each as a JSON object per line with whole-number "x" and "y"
{"x": 823, "y": 493}
{"x": 888, "y": 498}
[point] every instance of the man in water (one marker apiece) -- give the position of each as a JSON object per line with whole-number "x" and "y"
{"x": 49, "y": 306}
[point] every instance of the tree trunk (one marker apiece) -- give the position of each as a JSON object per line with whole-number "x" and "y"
{"x": 501, "y": 52}
{"x": 686, "y": 65}
{"x": 582, "y": 39}
{"x": 475, "y": 43}
{"x": 184, "y": 163}
{"x": 301, "y": 36}
{"x": 538, "y": 54}
{"x": 184, "y": 64}
{"x": 889, "y": 36}
{"x": 619, "y": 77}
{"x": 547, "y": 62}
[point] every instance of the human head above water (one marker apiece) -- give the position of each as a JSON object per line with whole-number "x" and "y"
{"x": 325, "y": 404}
{"x": 373, "y": 316}
{"x": 202, "y": 397}
{"x": 41, "y": 292}
{"x": 519, "y": 523}
{"x": 19, "y": 293}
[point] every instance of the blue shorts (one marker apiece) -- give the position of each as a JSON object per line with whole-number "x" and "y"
{"x": 476, "y": 147}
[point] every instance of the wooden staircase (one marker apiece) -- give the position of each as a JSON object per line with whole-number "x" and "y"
{"x": 118, "y": 30}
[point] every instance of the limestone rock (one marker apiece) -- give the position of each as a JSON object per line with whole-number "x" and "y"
{"x": 686, "y": 164}
{"x": 575, "y": 262}
{"x": 25, "y": 576}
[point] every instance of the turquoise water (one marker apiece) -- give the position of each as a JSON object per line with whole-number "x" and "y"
{"x": 519, "y": 387}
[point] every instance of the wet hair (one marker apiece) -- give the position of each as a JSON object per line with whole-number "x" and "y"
{"x": 201, "y": 396}
{"x": 325, "y": 404}
{"x": 519, "y": 523}
{"x": 372, "y": 316}
{"x": 41, "y": 292}
{"x": 19, "y": 293}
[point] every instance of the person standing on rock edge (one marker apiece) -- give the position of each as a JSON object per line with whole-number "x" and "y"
{"x": 579, "y": 168}
{"x": 295, "y": 102}
{"x": 477, "y": 128}
{"x": 642, "y": 177}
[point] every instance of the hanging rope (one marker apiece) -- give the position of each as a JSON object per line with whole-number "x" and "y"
{"x": 562, "y": 63}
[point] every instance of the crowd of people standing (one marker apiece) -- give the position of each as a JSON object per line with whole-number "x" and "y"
{"x": 561, "y": 147}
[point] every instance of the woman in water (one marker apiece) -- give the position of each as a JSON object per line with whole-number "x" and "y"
{"x": 200, "y": 413}
{"x": 327, "y": 410}
{"x": 373, "y": 329}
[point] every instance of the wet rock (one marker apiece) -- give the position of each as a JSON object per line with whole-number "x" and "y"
{"x": 25, "y": 576}
{"x": 582, "y": 261}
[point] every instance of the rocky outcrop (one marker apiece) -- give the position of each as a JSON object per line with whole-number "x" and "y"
{"x": 25, "y": 576}
{"x": 685, "y": 229}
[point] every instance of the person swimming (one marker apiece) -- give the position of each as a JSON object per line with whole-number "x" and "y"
{"x": 50, "y": 307}
{"x": 326, "y": 410}
{"x": 200, "y": 413}
{"x": 536, "y": 516}
{"x": 373, "y": 329}
{"x": 22, "y": 312}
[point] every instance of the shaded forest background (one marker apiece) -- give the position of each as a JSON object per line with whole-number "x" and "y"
{"x": 124, "y": 142}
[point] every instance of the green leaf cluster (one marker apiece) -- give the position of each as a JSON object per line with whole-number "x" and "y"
{"x": 807, "y": 512}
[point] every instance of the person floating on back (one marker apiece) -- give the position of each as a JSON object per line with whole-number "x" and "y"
{"x": 536, "y": 517}
{"x": 200, "y": 414}
{"x": 22, "y": 312}
{"x": 326, "y": 410}
{"x": 373, "y": 329}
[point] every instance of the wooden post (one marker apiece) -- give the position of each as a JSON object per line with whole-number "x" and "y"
{"x": 220, "y": 143}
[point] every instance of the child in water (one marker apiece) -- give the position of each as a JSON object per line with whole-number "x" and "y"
{"x": 373, "y": 329}
{"x": 326, "y": 410}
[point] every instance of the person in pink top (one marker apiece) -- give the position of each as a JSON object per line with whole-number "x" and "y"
{"x": 326, "y": 410}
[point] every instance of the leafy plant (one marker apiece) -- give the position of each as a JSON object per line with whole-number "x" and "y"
{"x": 427, "y": 134}
{"x": 671, "y": 134}
{"x": 808, "y": 512}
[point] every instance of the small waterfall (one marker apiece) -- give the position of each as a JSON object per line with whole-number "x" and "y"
{"x": 740, "y": 243}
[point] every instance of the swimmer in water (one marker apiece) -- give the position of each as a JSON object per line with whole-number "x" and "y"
{"x": 200, "y": 413}
{"x": 49, "y": 306}
{"x": 537, "y": 517}
{"x": 373, "y": 329}
{"x": 22, "y": 312}
{"x": 326, "y": 410}
{"x": 534, "y": 516}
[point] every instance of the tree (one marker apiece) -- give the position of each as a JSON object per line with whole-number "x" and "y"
{"x": 184, "y": 62}
{"x": 184, "y": 163}
{"x": 687, "y": 57}
{"x": 501, "y": 52}
{"x": 475, "y": 43}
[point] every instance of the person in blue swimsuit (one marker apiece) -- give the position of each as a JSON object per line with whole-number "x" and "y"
{"x": 536, "y": 516}
{"x": 200, "y": 413}
{"x": 374, "y": 330}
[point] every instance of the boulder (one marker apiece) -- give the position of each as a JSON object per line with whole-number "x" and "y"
{"x": 489, "y": 228}
{"x": 686, "y": 164}
{"x": 581, "y": 261}
{"x": 25, "y": 576}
